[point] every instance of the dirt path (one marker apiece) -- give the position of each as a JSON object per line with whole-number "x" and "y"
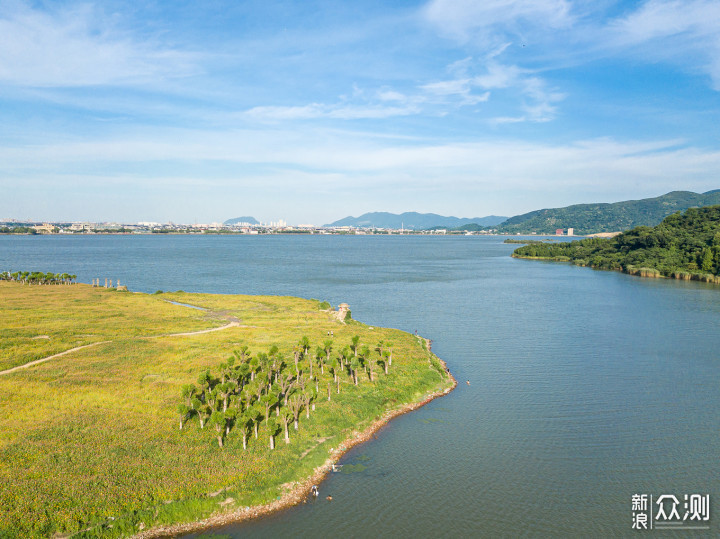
{"x": 234, "y": 323}
{"x": 43, "y": 360}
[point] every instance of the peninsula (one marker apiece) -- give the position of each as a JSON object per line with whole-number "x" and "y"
{"x": 683, "y": 246}
{"x": 103, "y": 435}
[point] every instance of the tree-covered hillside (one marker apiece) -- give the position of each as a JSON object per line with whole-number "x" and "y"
{"x": 683, "y": 246}
{"x": 616, "y": 217}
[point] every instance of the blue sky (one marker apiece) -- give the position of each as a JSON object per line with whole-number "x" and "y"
{"x": 309, "y": 111}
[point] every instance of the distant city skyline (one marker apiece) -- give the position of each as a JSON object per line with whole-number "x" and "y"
{"x": 314, "y": 111}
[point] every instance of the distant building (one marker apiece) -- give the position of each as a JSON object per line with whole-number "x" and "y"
{"x": 571, "y": 232}
{"x": 559, "y": 232}
{"x": 81, "y": 227}
{"x": 45, "y": 228}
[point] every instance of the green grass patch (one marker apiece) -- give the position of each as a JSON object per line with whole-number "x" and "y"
{"x": 90, "y": 440}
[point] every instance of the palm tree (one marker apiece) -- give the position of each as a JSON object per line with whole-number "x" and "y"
{"x": 204, "y": 413}
{"x": 304, "y": 344}
{"x": 296, "y": 350}
{"x": 354, "y": 366}
{"x": 295, "y": 403}
{"x": 335, "y": 366}
{"x": 319, "y": 355}
{"x": 241, "y": 374}
{"x": 242, "y": 354}
{"x": 273, "y": 429}
{"x": 386, "y": 360}
{"x": 307, "y": 397}
{"x": 365, "y": 353}
{"x": 285, "y": 383}
{"x": 286, "y": 416}
{"x": 380, "y": 348}
{"x": 184, "y": 410}
{"x": 355, "y": 343}
{"x": 230, "y": 416}
{"x": 327, "y": 346}
{"x": 224, "y": 391}
{"x": 256, "y": 414}
{"x": 245, "y": 420}
{"x": 204, "y": 381}
{"x": 218, "y": 421}
{"x": 268, "y": 401}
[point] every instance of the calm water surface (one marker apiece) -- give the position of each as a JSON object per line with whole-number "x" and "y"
{"x": 585, "y": 387}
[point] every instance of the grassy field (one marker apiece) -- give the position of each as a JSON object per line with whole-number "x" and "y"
{"x": 90, "y": 440}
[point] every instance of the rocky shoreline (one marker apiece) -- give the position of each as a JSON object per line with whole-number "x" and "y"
{"x": 301, "y": 490}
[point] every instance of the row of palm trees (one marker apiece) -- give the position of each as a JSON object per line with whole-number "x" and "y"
{"x": 272, "y": 390}
{"x": 37, "y": 277}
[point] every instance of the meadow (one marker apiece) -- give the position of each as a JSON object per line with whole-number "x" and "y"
{"x": 91, "y": 444}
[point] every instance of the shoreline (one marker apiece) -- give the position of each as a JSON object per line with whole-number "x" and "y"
{"x": 301, "y": 489}
{"x": 646, "y": 273}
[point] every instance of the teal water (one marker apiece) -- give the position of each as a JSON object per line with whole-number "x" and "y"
{"x": 585, "y": 387}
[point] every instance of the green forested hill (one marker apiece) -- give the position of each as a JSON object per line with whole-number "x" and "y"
{"x": 619, "y": 216}
{"x": 683, "y": 246}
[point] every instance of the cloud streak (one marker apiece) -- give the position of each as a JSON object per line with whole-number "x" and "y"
{"x": 76, "y": 46}
{"x": 487, "y": 20}
{"x": 597, "y": 164}
{"x": 686, "y": 33}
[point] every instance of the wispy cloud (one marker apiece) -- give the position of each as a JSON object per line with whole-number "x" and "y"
{"x": 77, "y": 46}
{"x": 487, "y": 21}
{"x": 597, "y": 163}
{"x": 333, "y": 111}
{"x": 685, "y": 32}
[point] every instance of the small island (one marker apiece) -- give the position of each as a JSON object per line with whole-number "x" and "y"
{"x": 683, "y": 246}
{"x": 129, "y": 414}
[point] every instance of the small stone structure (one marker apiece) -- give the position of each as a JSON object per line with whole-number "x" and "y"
{"x": 342, "y": 312}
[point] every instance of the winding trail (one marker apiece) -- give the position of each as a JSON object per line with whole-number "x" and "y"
{"x": 233, "y": 323}
{"x": 43, "y": 360}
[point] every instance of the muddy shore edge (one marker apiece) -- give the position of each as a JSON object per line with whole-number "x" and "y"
{"x": 301, "y": 490}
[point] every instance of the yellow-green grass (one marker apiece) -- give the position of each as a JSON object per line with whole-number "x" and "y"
{"x": 39, "y": 321}
{"x": 90, "y": 440}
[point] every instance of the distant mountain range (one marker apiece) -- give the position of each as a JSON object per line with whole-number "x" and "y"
{"x": 249, "y": 220}
{"x": 413, "y": 221}
{"x": 616, "y": 217}
{"x": 583, "y": 218}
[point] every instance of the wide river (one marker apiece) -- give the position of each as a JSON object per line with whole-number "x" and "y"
{"x": 586, "y": 387}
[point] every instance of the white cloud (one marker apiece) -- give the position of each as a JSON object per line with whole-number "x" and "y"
{"x": 459, "y": 88}
{"x": 373, "y": 164}
{"x": 685, "y": 32}
{"x": 498, "y": 76}
{"x": 320, "y": 110}
{"x": 482, "y": 19}
{"x": 75, "y": 46}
